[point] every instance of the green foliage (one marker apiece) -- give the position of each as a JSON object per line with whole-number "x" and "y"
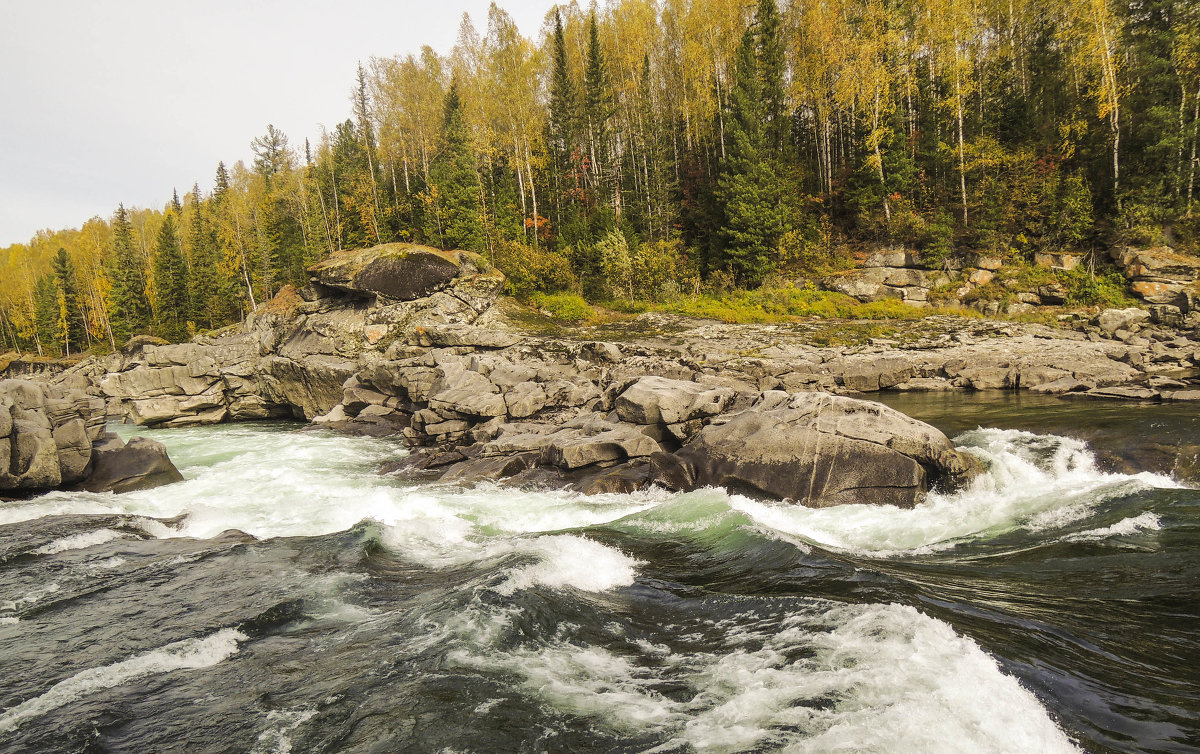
{"x": 569, "y": 307}
{"x": 748, "y": 189}
{"x": 780, "y": 303}
{"x": 530, "y": 270}
{"x": 131, "y": 304}
{"x": 70, "y": 331}
{"x": 459, "y": 222}
{"x": 170, "y": 283}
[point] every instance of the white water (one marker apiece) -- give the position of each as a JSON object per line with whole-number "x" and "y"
{"x": 1034, "y": 482}
{"x": 867, "y": 678}
{"x": 875, "y": 677}
{"x": 186, "y": 654}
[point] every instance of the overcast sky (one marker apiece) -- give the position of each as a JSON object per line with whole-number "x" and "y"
{"x": 107, "y": 102}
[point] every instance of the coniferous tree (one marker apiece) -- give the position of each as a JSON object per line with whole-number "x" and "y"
{"x": 456, "y": 182}
{"x": 46, "y": 316}
{"x": 131, "y": 305}
{"x": 748, "y": 189}
{"x": 170, "y": 283}
{"x": 771, "y": 65}
{"x": 562, "y": 126}
{"x": 70, "y": 324}
{"x": 597, "y": 109}
{"x": 206, "y": 306}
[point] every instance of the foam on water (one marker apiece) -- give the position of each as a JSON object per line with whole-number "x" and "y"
{"x": 80, "y": 541}
{"x": 565, "y": 560}
{"x": 1145, "y": 522}
{"x": 181, "y": 655}
{"x": 830, "y": 678}
{"x": 30, "y": 597}
{"x": 1033, "y": 482}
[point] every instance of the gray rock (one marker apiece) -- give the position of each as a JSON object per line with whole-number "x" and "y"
{"x": 1111, "y": 320}
{"x": 657, "y": 400}
{"x": 398, "y": 271}
{"x": 140, "y": 464}
{"x": 819, "y": 450}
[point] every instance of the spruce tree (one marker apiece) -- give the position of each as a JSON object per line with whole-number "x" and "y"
{"x": 771, "y": 66}
{"x": 205, "y": 274}
{"x": 170, "y": 283}
{"x": 598, "y": 107}
{"x": 131, "y": 306}
{"x": 456, "y": 181}
{"x": 748, "y": 189}
{"x": 70, "y": 326}
{"x": 562, "y": 126}
{"x": 45, "y": 317}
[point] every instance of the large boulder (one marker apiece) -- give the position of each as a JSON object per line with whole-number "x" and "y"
{"x": 46, "y": 434}
{"x": 398, "y": 271}
{"x": 818, "y": 450}
{"x": 140, "y": 464}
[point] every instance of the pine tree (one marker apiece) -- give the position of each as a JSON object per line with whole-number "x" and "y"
{"x": 563, "y": 124}
{"x": 598, "y": 108}
{"x": 205, "y": 276}
{"x": 170, "y": 283}
{"x": 70, "y": 324}
{"x": 771, "y": 65}
{"x": 131, "y": 306}
{"x": 748, "y": 188}
{"x": 456, "y": 181}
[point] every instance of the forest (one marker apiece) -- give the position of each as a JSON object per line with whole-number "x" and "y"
{"x": 642, "y": 150}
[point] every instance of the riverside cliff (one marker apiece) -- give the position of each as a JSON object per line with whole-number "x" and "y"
{"x": 410, "y": 341}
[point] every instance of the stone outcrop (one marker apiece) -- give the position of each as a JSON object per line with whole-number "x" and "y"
{"x": 810, "y": 448}
{"x": 53, "y": 437}
{"x": 1160, "y": 275}
{"x": 46, "y": 435}
{"x": 888, "y": 274}
{"x": 292, "y": 358}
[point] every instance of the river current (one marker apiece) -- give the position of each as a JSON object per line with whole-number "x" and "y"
{"x": 287, "y": 598}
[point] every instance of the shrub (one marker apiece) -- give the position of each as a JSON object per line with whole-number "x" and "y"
{"x": 569, "y": 307}
{"x": 529, "y": 270}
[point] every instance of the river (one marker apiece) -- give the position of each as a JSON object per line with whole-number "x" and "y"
{"x": 285, "y": 597}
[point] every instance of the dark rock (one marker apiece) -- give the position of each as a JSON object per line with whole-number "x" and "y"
{"x": 140, "y": 464}
{"x": 399, "y": 271}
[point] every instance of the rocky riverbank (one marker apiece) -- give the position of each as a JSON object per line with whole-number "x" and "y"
{"x": 52, "y": 437}
{"x": 414, "y": 342}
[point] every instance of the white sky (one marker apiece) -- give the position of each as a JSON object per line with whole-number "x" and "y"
{"x": 108, "y": 101}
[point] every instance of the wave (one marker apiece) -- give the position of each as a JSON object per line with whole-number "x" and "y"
{"x": 828, "y": 677}
{"x": 187, "y": 654}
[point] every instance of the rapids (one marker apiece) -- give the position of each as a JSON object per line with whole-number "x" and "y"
{"x": 286, "y": 597}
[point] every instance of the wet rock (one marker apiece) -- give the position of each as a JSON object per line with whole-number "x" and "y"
{"x": 818, "y": 450}
{"x": 140, "y": 464}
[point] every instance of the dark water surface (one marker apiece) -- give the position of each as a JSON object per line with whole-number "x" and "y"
{"x": 286, "y": 598}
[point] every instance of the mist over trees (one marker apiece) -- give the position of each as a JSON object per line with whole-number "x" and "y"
{"x": 646, "y": 148}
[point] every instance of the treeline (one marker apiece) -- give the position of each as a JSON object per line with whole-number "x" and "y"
{"x": 647, "y": 147}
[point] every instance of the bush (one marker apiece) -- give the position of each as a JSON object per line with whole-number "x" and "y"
{"x": 529, "y": 270}
{"x": 569, "y": 307}
{"x": 661, "y": 271}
